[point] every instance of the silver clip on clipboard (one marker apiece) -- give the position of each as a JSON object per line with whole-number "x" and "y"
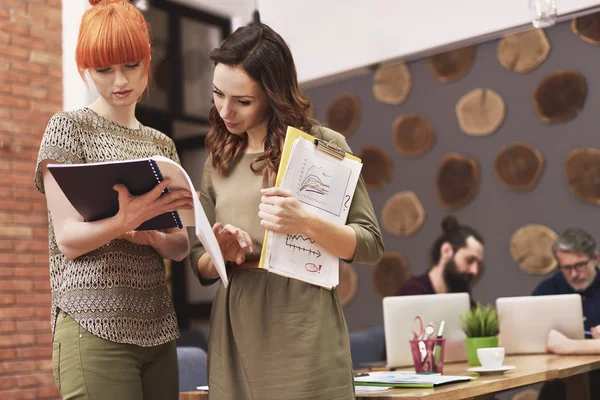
{"x": 330, "y": 148}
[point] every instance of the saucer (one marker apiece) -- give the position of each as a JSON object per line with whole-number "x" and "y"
{"x": 490, "y": 371}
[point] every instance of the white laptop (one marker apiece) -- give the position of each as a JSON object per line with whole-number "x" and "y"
{"x": 527, "y": 320}
{"x": 400, "y": 311}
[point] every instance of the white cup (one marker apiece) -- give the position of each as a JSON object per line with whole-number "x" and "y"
{"x": 491, "y": 357}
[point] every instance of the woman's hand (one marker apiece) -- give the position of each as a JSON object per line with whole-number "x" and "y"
{"x": 135, "y": 210}
{"x": 233, "y": 242}
{"x": 281, "y": 212}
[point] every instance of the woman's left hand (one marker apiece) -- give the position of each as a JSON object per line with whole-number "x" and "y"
{"x": 281, "y": 212}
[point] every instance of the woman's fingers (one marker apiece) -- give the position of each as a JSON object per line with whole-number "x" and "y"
{"x": 230, "y": 232}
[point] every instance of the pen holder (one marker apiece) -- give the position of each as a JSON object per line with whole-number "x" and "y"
{"x": 428, "y": 355}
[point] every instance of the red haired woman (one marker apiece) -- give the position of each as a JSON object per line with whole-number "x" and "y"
{"x": 113, "y": 323}
{"x": 271, "y": 337}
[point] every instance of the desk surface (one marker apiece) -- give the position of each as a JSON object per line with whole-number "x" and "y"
{"x": 529, "y": 370}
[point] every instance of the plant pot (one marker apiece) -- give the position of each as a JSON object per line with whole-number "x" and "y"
{"x": 474, "y": 343}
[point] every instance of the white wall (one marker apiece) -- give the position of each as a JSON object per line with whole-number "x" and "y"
{"x": 239, "y": 11}
{"x": 328, "y": 37}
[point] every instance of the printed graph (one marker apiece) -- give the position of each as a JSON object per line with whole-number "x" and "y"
{"x": 303, "y": 246}
{"x": 318, "y": 185}
{"x": 316, "y": 181}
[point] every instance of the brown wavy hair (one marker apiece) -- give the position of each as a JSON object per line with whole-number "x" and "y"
{"x": 267, "y": 59}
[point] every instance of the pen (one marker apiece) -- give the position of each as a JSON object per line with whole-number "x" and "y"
{"x": 588, "y": 332}
{"x": 438, "y": 348}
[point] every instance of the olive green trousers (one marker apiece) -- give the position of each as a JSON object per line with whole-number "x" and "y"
{"x": 88, "y": 367}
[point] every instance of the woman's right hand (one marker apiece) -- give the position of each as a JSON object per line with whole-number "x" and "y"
{"x": 233, "y": 241}
{"x": 135, "y": 210}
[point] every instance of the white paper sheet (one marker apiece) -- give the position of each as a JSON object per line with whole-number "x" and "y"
{"x": 196, "y": 217}
{"x": 325, "y": 186}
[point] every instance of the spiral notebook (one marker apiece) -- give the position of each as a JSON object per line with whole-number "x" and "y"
{"x": 89, "y": 188}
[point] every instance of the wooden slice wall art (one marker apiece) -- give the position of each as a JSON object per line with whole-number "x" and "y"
{"x": 457, "y": 181}
{"x": 528, "y": 394}
{"x": 452, "y": 65}
{"x": 412, "y": 135}
{"x": 390, "y": 273}
{"x": 392, "y": 83}
{"x": 531, "y": 249}
{"x": 582, "y": 170}
{"x": 523, "y": 52}
{"x": 587, "y": 28}
{"x": 519, "y": 166}
{"x": 343, "y": 114}
{"x": 402, "y": 214}
{"x": 560, "y": 96}
{"x": 480, "y": 112}
{"x": 377, "y": 166}
{"x": 348, "y": 285}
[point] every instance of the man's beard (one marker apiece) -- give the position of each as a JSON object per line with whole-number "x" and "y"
{"x": 457, "y": 282}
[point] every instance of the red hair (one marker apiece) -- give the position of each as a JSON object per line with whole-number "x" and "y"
{"x": 112, "y": 32}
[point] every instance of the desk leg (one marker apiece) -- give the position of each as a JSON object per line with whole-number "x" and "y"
{"x": 578, "y": 387}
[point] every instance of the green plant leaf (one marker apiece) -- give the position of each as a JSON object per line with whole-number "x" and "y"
{"x": 480, "y": 321}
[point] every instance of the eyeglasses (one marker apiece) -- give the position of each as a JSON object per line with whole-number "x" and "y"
{"x": 575, "y": 267}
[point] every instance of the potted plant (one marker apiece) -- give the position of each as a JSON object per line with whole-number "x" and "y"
{"x": 480, "y": 324}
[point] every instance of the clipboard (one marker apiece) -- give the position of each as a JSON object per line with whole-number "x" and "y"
{"x": 292, "y": 134}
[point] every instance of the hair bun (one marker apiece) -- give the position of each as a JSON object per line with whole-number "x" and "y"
{"x": 95, "y": 2}
{"x": 450, "y": 224}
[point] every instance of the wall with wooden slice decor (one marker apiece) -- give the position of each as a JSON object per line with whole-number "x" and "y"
{"x": 377, "y": 166}
{"x": 523, "y": 52}
{"x": 452, "y": 65}
{"x": 348, "y": 283}
{"x": 519, "y": 166}
{"x": 531, "y": 248}
{"x": 457, "y": 181}
{"x": 582, "y": 171}
{"x": 495, "y": 210}
{"x": 392, "y": 83}
{"x": 402, "y": 214}
{"x": 390, "y": 273}
{"x": 413, "y": 135}
{"x": 343, "y": 114}
{"x": 480, "y": 112}
{"x": 587, "y": 28}
{"x": 560, "y": 96}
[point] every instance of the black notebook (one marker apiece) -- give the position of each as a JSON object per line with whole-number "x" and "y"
{"x": 89, "y": 188}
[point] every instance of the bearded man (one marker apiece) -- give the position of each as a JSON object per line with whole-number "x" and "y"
{"x": 456, "y": 259}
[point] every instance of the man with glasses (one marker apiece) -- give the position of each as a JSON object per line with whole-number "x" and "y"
{"x": 577, "y": 258}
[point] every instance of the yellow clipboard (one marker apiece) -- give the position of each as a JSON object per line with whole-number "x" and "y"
{"x": 291, "y": 135}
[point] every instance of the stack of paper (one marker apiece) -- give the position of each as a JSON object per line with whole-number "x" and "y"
{"x": 324, "y": 185}
{"x": 407, "y": 380}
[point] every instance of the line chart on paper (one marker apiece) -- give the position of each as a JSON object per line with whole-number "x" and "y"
{"x": 321, "y": 183}
{"x": 301, "y": 245}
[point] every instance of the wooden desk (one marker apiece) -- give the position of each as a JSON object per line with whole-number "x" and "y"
{"x": 529, "y": 370}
